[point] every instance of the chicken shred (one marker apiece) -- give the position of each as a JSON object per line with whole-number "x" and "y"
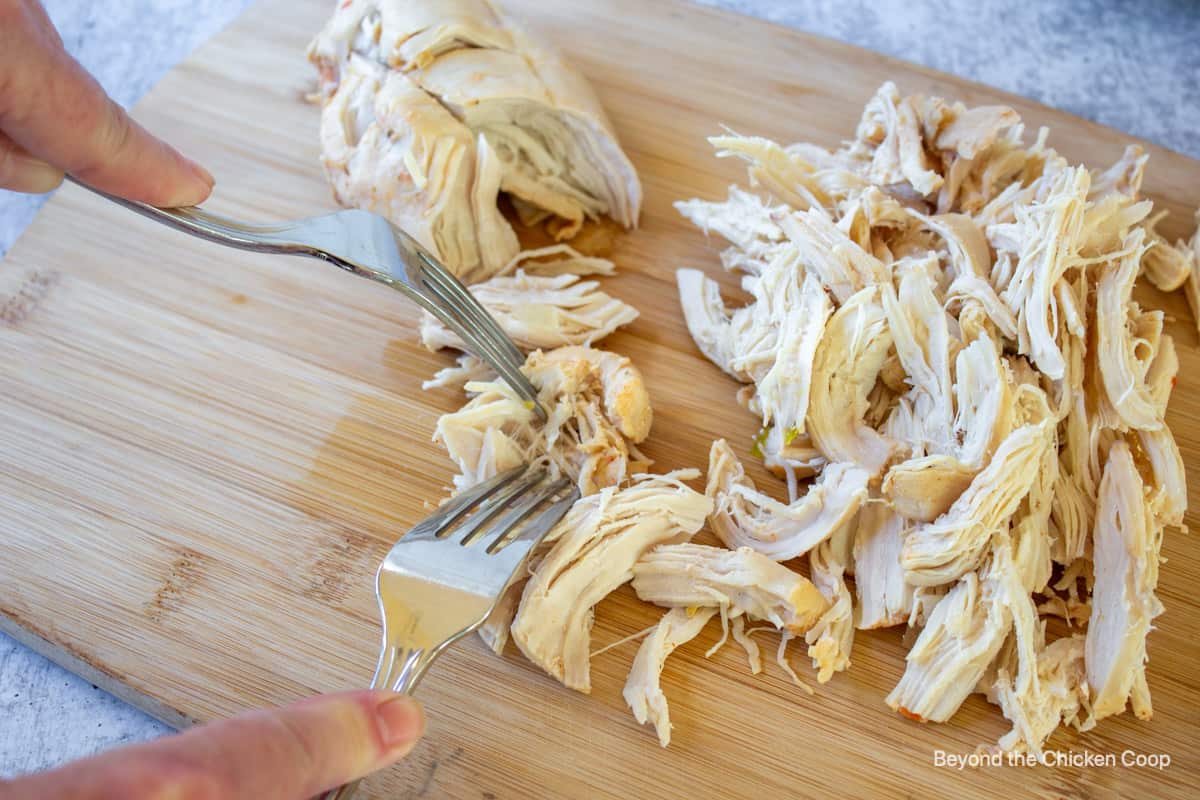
{"x": 540, "y": 312}
{"x": 960, "y": 639}
{"x": 956, "y": 542}
{"x": 596, "y": 547}
{"x": 745, "y": 517}
{"x": 643, "y": 690}
{"x": 1127, "y": 542}
{"x": 846, "y": 366}
{"x": 741, "y": 581}
{"x": 884, "y": 597}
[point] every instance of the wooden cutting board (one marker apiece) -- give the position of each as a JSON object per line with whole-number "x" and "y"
{"x": 204, "y": 454}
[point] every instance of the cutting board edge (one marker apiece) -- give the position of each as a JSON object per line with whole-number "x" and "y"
{"x": 57, "y": 646}
{"x": 62, "y": 655}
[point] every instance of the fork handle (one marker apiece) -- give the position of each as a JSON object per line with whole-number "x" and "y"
{"x": 398, "y": 671}
{"x": 343, "y": 792}
{"x": 213, "y": 227}
{"x": 280, "y": 238}
{"x": 502, "y": 354}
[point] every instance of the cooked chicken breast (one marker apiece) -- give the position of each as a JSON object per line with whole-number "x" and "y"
{"x": 1166, "y": 265}
{"x": 925, "y": 487}
{"x": 956, "y": 542}
{"x": 431, "y": 110}
{"x": 1127, "y": 340}
{"x": 959, "y": 641}
{"x": 884, "y": 597}
{"x": 1057, "y": 694}
{"x": 847, "y": 364}
{"x": 831, "y": 638}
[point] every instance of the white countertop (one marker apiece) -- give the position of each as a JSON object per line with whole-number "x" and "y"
{"x": 1134, "y": 66}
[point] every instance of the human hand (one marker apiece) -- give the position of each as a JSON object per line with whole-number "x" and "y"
{"x": 55, "y": 118}
{"x": 284, "y": 754}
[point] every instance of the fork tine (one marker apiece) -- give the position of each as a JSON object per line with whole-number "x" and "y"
{"x": 468, "y": 331}
{"x": 486, "y": 332}
{"x": 515, "y": 551}
{"x": 511, "y": 373}
{"x": 454, "y": 508}
{"x": 507, "y": 524}
{"x": 471, "y": 527}
{"x": 471, "y": 306}
{"x": 431, "y": 276}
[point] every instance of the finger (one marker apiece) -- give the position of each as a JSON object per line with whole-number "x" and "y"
{"x": 285, "y": 754}
{"x": 311, "y": 746}
{"x": 53, "y": 109}
{"x": 21, "y": 172}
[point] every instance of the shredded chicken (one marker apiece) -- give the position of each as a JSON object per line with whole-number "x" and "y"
{"x": 1127, "y": 340}
{"x": 1127, "y": 542}
{"x": 965, "y": 404}
{"x": 884, "y": 597}
{"x": 432, "y": 110}
{"x": 1168, "y": 266}
{"x": 957, "y": 542}
{"x": 540, "y": 312}
{"x": 598, "y": 411}
{"x": 924, "y": 488}
{"x": 643, "y": 692}
{"x": 941, "y": 335}
{"x": 745, "y": 517}
{"x": 598, "y": 542}
{"x": 1056, "y": 694}
{"x": 830, "y": 639}
{"x": 959, "y": 641}
{"x": 741, "y": 581}
{"x": 847, "y": 364}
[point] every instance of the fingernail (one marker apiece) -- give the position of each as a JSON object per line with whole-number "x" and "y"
{"x": 202, "y": 173}
{"x": 401, "y": 723}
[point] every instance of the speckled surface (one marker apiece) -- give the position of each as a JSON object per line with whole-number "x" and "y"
{"x": 1134, "y": 66}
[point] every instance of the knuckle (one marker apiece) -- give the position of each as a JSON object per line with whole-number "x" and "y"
{"x": 24, "y": 45}
{"x": 118, "y": 128}
{"x": 299, "y": 741}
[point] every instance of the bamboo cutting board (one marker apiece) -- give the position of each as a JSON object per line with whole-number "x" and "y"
{"x": 205, "y": 453}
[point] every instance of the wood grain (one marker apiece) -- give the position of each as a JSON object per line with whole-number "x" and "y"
{"x": 206, "y": 452}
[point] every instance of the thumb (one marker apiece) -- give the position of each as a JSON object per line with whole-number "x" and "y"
{"x": 21, "y": 172}
{"x": 285, "y": 754}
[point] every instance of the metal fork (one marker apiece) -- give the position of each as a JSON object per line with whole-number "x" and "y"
{"x": 442, "y": 580}
{"x": 369, "y": 246}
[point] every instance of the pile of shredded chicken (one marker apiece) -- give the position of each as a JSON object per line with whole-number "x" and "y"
{"x": 965, "y": 401}
{"x": 433, "y": 109}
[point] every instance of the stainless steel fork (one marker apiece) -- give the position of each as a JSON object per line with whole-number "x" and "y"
{"x": 369, "y": 246}
{"x": 444, "y": 577}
